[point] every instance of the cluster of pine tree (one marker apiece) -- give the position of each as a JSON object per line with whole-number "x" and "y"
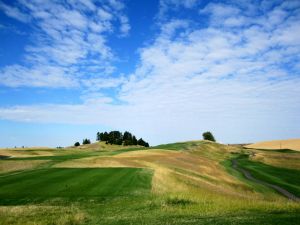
{"x": 117, "y": 138}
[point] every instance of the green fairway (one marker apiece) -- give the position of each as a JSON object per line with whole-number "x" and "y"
{"x": 282, "y": 177}
{"x": 286, "y": 178}
{"x": 74, "y": 183}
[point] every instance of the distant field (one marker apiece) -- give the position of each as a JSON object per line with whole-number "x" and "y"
{"x": 293, "y": 144}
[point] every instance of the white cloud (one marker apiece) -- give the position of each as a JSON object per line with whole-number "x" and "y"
{"x": 125, "y": 27}
{"x": 96, "y": 84}
{"x": 166, "y": 5}
{"x": 237, "y": 79}
{"x": 218, "y": 10}
{"x": 15, "y": 76}
{"x": 14, "y": 12}
{"x": 69, "y": 36}
{"x": 117, "y": 5}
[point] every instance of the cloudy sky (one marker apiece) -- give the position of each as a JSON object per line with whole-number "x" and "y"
{"x": 166, "y": 70}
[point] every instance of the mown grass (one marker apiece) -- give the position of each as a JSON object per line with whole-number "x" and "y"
{"x": 283, "y": 177}
{"x": 73, "y": 183}
{"x": 252, "y": 185}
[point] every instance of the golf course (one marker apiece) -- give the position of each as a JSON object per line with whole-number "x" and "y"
{"x": 194, "y": 182}
{"x": 149, "y": 112}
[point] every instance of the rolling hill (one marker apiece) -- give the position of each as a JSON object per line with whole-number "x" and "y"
{"x": 195, "y": 182}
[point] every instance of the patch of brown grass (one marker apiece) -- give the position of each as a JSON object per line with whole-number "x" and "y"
{"x": 16, "y": 165}
{"x": 278, "y": 159}
{"x": 26, "y": 153}
{"x": 102, "y": 146}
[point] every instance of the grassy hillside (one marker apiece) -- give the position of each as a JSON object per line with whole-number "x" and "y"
{"x": 178, "y": 183}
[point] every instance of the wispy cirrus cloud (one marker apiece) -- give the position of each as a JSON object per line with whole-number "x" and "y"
{"x": 68, "y": 36}
{"x": 166, "y": 5}
{"x": 14, "y": 12}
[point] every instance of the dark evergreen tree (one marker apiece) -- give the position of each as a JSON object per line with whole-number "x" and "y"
{"x": 127, "y": 138}
{"x": 101, "y": 137}
{"x": 134, "y": 140}
{"x": 117, "y": 138}
{"x": 77, "y": 144}
{"x": 141, "y": 142}
{"x": 208, "y": 136}
{"x": 86, "y": 141}
{"x": 105, "y": 136}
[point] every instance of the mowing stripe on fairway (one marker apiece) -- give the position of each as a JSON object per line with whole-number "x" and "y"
{"x": 75, "y": 183}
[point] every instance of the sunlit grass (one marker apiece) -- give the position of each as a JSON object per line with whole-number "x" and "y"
{"x": 192, "y": 183}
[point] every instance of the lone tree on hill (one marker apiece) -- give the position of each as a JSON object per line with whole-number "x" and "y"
{"x": 86, "y": 141}
{"x": 77, "y": 144}
{"x": 208, "y": 136}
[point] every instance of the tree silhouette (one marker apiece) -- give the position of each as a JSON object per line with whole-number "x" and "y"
{"x": 208, "y": 136}
{"x": 117, "y": 138}
{"x": 86, "y": 141}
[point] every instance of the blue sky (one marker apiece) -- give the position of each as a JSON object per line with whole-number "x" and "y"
{"x": 166, "y": 70}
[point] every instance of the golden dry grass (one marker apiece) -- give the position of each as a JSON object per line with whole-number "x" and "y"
{"x": 278, "y": 159}
{"x": 27, "y": 148}
{"x": 293, "y": 144}
{"x": 26, "y": 152}
{"x": 127, "y": 159}
{"x": 102, "y": 146}
{"x": 10, "y": 166}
